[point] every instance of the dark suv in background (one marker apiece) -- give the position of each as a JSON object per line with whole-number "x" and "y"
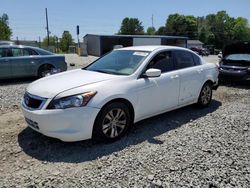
{"x": 235, "y": 62}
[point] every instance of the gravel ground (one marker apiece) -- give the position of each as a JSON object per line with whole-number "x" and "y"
{"x": 188, "y": 147}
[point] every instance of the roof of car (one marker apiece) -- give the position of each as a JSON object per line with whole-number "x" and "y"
{"x": 16, "y": 46}
{"x": 150, "y": 48}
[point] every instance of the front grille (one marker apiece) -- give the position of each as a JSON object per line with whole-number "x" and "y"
{"x": 33, "y": 102}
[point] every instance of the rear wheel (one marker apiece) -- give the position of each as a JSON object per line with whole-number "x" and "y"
{"x": 112, "y": 122}
{"x": 205, "y": 96}
{"x": 44, "y": 70}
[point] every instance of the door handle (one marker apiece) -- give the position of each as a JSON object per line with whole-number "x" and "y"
{"x": 174, "y": 76}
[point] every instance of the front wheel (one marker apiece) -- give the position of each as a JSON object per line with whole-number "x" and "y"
{"x": 205, "y": 96}
{"x": 112, "y": 122}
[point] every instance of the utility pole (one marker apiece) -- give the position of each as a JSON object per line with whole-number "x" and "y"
{"x": 152, "y": 18}
{"x": 17, "y": 41}
{"x": 77, "y": 33}
{"x": 39, "y": 42}
{"x": 47, "y": 25}
{"x": 57, "y": 45}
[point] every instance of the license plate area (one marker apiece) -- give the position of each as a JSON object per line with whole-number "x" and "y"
{"x": 32, "y": 123}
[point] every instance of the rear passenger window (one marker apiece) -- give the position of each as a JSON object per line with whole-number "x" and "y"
{"x": 16, "y": 52}
{"x": 162, "y": 61}
{"x": 184, "y": 59}
{"x": 197, "y": 60}
{"x": 29, "y": 52}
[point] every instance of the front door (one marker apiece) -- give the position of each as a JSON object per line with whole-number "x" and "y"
{"x": 158, "y": 94}
{"x": 5, "y": 67}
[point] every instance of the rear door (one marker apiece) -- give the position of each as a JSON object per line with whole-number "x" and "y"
{"x": 23, "y": 62}
{"x": 5, "y": 67}
{"x": 191, "y": 76}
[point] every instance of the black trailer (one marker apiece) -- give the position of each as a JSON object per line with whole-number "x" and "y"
{"x": 98, "y": 45}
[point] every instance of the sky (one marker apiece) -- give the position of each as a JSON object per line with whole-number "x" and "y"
{"x": 27, "y": 17}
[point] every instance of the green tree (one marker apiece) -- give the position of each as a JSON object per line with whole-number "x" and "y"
{"x": 221, "y": 25}
{"x": 240, "y": 29}
{"x": 203, "y": 35}
{"x": 161, "y": 31}
{"x": 66, "y": 41}
{"x": 52, "y": 41}
{"x": 181, "y": 25}
{"x": 5, "y": 30}
{"x": 151, "y": 31}
{"x": 131, "y": 26}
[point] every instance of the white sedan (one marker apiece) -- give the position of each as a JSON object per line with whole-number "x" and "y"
{"x": 125, "y": 86}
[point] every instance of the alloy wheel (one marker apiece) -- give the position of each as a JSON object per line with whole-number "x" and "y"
{"x": 206, "y": 94}
{"x": 114, "y": 123}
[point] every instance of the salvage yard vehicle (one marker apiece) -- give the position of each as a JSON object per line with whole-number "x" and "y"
{"x": 235, "y": 63}
{"x": 26, "y": 61}
{"x": 104, "y": 99}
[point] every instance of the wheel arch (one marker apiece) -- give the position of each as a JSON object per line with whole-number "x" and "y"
{"x": 208, "y": 81}
{"x": 44, "y": 65}
{"x": 124, "y": 101}
{"x": 115, "y": 100}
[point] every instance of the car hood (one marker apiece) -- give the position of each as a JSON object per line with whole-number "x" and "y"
{"x": 237, "y": 48}
{"x": 51, "y": 86}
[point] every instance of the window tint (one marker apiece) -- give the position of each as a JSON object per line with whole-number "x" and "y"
{"x": 162, "y": 61}
{"x": 26, "y": 52}
{"x": 29, "y": 52}
{"x": 183, "y": 59}
{"x": 16, "y": 52}
{"x": 197, "y": 60}
{"x": 5, "y": 52}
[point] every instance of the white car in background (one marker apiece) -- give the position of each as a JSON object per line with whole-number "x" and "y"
{"x": 125, "y": 86}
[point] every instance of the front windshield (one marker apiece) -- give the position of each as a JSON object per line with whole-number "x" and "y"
{"x": 238, "y": 57}
{"x": 119, "y": 62}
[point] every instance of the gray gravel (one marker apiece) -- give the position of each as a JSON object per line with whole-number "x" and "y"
{"x": 188, "y": 147}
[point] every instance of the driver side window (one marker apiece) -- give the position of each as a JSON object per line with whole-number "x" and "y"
{"x": 162, "y": 61}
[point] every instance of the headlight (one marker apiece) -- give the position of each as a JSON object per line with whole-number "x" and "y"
{"x": 72, "y": 101}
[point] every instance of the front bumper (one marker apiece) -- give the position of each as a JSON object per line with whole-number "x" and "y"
{"x": 73, "y": 124}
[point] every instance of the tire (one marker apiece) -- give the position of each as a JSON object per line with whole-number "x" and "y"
{"x": 44, "y": 70}
{"x": 205, "y": 96}
{"x": 112, "y": 122}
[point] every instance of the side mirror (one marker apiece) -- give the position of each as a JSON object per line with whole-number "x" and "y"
{"x": 153, "y": 73}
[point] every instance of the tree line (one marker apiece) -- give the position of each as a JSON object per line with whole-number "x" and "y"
{"x": 214, "y": 29}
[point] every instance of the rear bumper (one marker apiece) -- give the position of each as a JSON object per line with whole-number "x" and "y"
{"x": 234, "y": 75}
